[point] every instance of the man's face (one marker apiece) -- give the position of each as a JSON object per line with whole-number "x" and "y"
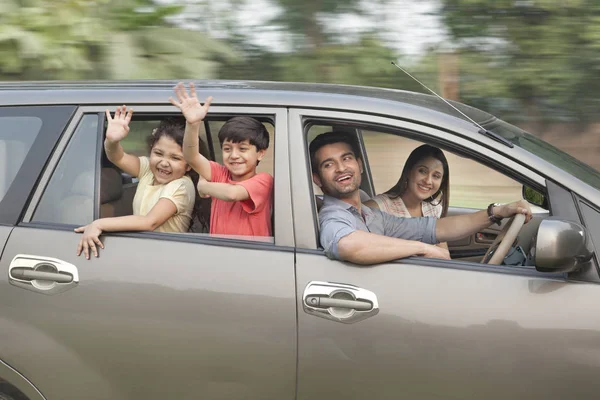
{"x": 338, "y": 170}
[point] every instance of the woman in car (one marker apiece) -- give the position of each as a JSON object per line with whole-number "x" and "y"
{"x": 423, "y": 189}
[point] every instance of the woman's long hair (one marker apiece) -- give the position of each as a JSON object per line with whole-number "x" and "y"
{"x": 442, "y": 196}
{"x": 174, "y": 128}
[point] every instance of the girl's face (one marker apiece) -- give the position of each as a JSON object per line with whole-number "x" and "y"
{"x": 166, "y": 161}
{"x": 425, "y": 178}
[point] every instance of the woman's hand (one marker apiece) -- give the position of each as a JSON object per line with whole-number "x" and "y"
{"x": 189, "y": 105}
{"x": 89, "y": 240}
{"x": 118, "y": 127}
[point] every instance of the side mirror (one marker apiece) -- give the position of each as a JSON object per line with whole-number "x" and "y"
{"x": 534, "y": 197}
{"x": 561, "y": 246}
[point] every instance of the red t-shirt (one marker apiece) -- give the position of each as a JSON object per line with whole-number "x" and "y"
{"x": 251, "y": 217}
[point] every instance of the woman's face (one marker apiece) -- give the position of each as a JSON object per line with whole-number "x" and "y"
{"x": 425, "y": 178}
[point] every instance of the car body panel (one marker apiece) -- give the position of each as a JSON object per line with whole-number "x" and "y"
{"x": 154, "y": 319}
{"x": 450, "y": 333}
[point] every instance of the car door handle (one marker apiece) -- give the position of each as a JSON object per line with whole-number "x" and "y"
{"x": 42, "y": 274}
{"x": 326, "y": 302}
{"x": 339, "y": 302}
{"x": 31, "y": 274}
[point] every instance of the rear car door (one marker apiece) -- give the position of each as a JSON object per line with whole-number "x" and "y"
{"x": 156, "y": 315}
{"x": 432, "y": 329}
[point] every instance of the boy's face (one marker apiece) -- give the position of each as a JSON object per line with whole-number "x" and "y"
{"x": 241, "y": 159}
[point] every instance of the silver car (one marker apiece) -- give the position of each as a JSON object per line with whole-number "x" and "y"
{"x": 195, "y": 316}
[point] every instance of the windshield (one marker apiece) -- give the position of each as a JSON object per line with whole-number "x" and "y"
{"x": 546, "y": 151}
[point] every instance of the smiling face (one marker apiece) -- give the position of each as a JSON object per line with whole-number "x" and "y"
{"x": 425, "y": 178}
{"x": 241, "y": 159}
{"x": 339, "y": 171}
{"x": 166, "y": 161}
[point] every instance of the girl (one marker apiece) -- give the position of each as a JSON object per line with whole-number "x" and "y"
{"x": 165, "y": 198}
{"x": 423, "y": 187}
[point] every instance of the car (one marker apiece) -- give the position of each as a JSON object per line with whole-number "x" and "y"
{"x": 190, "y": 315}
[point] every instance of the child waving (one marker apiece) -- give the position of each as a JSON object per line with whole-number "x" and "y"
{"x": 165, "y": 196}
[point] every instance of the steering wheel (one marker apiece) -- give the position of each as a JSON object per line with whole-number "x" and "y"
{"x": 504, "y": 241}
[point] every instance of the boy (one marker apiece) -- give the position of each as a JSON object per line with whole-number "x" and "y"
{"x": 242, "y": 199}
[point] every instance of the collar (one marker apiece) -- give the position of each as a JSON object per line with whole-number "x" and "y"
{"x": 333, "y": 201}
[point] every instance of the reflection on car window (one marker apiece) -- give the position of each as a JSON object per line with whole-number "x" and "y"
{"x": 16, "y": 137}
{"x": 69, "y": 196}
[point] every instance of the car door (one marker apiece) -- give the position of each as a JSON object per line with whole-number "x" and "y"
{"x": 156, "y": 316}
{"x": 432, "y": 329}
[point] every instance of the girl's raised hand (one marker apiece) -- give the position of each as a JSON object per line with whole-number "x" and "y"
{"x": 189, "y": 105}
{"x": 118, "y": 127}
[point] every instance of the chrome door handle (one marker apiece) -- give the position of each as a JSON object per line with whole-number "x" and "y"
{"x": 326, "y": 302}
{"x": 339, "y": 302}
{"x": 42, "y": 274}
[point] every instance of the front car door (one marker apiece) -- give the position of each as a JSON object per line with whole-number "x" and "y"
{"x": 432, "y": 329}
{"x": 156, "y": 316}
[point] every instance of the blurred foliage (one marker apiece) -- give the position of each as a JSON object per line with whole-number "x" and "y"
{"x": 539, "y": 56}
{"x": 101, "y": 39}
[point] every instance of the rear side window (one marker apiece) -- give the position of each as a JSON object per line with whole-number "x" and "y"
{"x": 69, "y": 196}
{"x": 16, "y": 138}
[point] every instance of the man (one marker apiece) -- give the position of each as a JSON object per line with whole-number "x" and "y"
{"x": 353, "y": 232}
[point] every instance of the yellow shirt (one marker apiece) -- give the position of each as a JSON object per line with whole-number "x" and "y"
{"x": 180, "y": 191}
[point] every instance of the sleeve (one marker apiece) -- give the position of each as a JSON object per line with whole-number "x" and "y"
{"x": 421, "y": 229}
{"x": 259, "y": 189}
{"x": 181, "y": 193}
{"x": 377, "y": 199}
{"x": 334, "y": 226}
{"x": 144, "y": 167}
{"x": 218, "y": 172}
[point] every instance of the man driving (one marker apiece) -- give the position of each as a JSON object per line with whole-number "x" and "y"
{"x": 353, "y": 232}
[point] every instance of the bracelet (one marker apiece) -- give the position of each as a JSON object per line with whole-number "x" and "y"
{"x": 490, "y": 212}
{"x": 191, "y": 145}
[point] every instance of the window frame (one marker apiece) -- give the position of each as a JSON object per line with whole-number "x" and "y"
{"x": 54, "y": 121}
{"x": 282, "y": 227}
{"x": 305, "y": 213}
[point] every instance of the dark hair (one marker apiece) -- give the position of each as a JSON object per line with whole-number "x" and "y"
{"x": 327, "y": 138}
{"x": 238, "y": 129}
{"x": 174, "y": 128}
{"x": 415, "y": 156}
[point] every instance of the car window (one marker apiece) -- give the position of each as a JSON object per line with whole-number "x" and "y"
{"x": 16, "y": 137}
{"x": 472, "y": 184}
{"x": 117, "y": 190}
{"x": 69, "y": 195}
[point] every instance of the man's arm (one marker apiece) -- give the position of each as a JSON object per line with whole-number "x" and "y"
{"x": 459, "y": 226}
{"x": 366, "y": 248}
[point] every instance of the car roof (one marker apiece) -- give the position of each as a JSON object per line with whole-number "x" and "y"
{"x": 334, "y": 96}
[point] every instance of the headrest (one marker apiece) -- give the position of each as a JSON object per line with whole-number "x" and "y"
{"x": 111, "y": 185}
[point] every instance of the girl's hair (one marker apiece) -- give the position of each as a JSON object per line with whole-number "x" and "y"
{"x": 174, "y": 128}
{"x": 442, "y": 196}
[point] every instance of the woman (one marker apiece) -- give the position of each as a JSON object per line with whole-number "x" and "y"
{"x": 423, "y": 187}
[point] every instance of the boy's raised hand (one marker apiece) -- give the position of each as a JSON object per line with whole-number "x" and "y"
{"x": 118, "y": 127}
{"x": 189, "y": 105}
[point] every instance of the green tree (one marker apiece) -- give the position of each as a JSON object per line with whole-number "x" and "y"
{"x": 101, "y": 39}
{"x": 543, "y": 53}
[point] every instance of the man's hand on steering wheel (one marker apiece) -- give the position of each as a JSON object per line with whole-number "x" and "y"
{"x": 511, "y": 209}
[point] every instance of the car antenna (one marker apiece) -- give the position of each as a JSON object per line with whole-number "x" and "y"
{"x": 482, "y": 130}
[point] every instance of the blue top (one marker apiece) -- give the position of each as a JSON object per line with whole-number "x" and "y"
{"x": 338, "y": 219}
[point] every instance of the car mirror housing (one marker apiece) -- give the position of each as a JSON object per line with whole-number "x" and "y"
{"x": 561, "y": 246}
